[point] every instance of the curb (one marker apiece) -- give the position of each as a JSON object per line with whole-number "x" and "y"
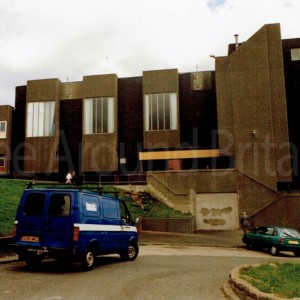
{"x": 237, "y": 288}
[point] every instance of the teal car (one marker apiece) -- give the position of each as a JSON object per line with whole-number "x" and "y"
{"x": 274, "y": 239}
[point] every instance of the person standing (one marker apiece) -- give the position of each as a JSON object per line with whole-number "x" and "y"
{"x": 69, "y": 177}
{"x": 244, "y": 222}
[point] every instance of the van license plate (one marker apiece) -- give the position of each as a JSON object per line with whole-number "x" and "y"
{"x": 33, "y": 239}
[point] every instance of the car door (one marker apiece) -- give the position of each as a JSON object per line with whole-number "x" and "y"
{"x": 31, "y": 218}
{"x": 127, "y": 226}
{"x": 59, "y": 219}
{"x": 270, "y": 237}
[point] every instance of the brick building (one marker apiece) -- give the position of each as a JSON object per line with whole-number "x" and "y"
{"x": 241, "y": 119}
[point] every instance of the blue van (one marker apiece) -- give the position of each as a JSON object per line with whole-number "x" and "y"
{"x": 72, "y": 225}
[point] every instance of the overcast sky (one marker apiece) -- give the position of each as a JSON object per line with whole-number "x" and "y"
{"x": 68, "y": 39}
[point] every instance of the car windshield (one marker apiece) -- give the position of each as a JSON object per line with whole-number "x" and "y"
{"x": 288, "y": 232}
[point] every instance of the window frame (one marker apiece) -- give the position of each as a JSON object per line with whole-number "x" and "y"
{"x": 295, "y": 54}
{"x": 161, "y": 111}
{"x": 3, "y": 133}
{"x": 99, "y": 115}
{"x": 40, "y": 119}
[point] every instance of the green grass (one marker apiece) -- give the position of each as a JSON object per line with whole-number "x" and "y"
{"x": 140, "y": 204}
{"x": 281, "y": 279}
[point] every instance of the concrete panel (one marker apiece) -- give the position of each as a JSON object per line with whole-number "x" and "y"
{"x": 218, "y": 211}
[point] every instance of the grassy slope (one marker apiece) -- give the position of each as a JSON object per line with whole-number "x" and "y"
{"x": 140, "y": 204}
{"x": 281, "y": 279}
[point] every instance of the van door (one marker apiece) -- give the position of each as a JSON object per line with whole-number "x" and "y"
{"x": 58, "y": 230}
{"x": 31, "y": 218}
{"x": 110, "y": 225}
{"x": 127, "y": 225}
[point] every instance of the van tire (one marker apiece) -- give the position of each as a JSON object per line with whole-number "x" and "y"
{"x": 131, "y": 253}
{"x": 88, "y": 260}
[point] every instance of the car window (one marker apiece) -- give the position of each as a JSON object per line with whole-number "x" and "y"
{"x": 287, "y": 232}
{"x": 261, "y": 230}
{"x": 110, "y": 209}
{"x": 91, "y": 206}
{"x": 269, "y": 231}
{"x": 34, "y": 204}
{"x": 125, "y": 215}
{"x": 59, "y": 205}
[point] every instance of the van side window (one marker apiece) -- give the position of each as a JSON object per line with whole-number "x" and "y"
{"x": 34, "y": 204}
{"x": 110, "y": 209}
{"x": 59, "y": 205}
{"x": 90, "y": 206}
{"x": 125, "y": 215}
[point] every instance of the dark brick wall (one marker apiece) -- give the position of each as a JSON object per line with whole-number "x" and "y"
{"x": 130, "y": 122}
{"x": 18, "y": 129}
{"x": 70, "y": 135}
{"x": 292, "y": 79}
{"x": 198, "y": 114}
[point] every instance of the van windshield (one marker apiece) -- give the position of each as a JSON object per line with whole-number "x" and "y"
{"x": 34, "y": 204}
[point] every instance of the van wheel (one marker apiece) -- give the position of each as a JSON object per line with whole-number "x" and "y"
{"x": 88, "y": 260}
{"x": 132, "y": 252}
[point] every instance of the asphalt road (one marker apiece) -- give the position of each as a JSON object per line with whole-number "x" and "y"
{"x": 159, "y": 272}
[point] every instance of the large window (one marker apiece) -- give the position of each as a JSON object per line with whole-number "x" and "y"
{"x": 2, "y": 129}
{"x": 99, "y": 115}
{"x": 40, "y": 119}
{"x": 161, "y": 111}
{"x": 295, "y": 54}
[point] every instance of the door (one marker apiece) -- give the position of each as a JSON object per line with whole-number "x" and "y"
{"x": 127, "y": 225}
{"x": 58, "y": 230}
{"x": 31, "y": 219}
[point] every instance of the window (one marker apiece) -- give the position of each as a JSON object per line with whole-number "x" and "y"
{"x": 295, "y": 54}
{"x": 2, "y": 162}
{"x": 59, "y": 205}
{"x": 201, "y": 81}
{"x": 99, "y": 115}
{"x": 125, "y": 215}
{"x": 161, "y": 111}
{"x": 91, "y": 206}
{"x": 110, "y": 210}
{"x": 34, "y": 204}
{"x": 2, "y": 129}
{"x": 40, "y": 119}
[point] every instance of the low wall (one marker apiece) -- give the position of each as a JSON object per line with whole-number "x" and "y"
{"x": 180, "y": 225}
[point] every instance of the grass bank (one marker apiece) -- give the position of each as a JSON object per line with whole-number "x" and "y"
{"x": 281, "y": 279}
{"x": 140, "y": 204}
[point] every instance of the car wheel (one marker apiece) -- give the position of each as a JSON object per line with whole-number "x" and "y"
{"x": 88, "y": 260}
{"x": 132, "y": 252}
{"x": 274, "y": 250}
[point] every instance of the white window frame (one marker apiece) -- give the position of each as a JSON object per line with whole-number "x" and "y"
{"x": 40, "y": 119}
{"x": 295, "y": 54}
{"x": 152, "y": 119}
{"x": 3, "y": 129}
{"x": 95, "y": 122}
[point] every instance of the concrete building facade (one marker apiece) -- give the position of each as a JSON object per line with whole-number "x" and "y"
{"x": 189, "y": 133}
